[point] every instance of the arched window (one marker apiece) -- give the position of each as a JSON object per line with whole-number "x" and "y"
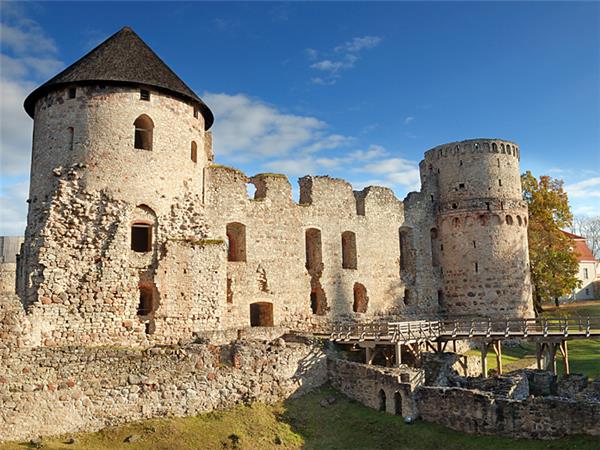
{"x": 519, "y": 220}
{"x": 406, "y": 249}
{"x": 236, "y": 236}
{"x": 361, "y": 301}
{"x": 194, "y": 154}
{"x": 349, "y": 250}
{"x": 398, "y": 404}
{"x": 143, "y": 132}
{"x": 509, "y": 220}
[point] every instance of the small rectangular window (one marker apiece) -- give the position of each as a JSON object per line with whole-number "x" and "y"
{"x": 585, "y": 274}
{"x": 461, "y": 185}
{"x": 144, "y": 95}
{"x": 141, "y": 237}
{"x": 499, "y": 182}
{"x": 72, "y": 92}
{"x": 476, "y": 267}
{"x": 196, "y": 113}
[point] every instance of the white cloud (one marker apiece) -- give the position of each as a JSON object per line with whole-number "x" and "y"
{"x": 408, "y": 119}
{"x": 311, "y": 53}
{"x": 247, "y": 128}
{"x": 26, "y": 37}
{"x": 359, "y": 43}
{"x": 342, "y": 58}
{"x": 584, "y": 189}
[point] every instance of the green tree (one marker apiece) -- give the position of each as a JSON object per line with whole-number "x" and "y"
{"x": 554, "y": 265}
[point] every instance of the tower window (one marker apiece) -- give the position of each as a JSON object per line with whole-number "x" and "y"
{"x": 72, "y": 92}
{"x": 145, "y": 95}
{"x": 499, "y": 182}
{"x": 236, "y": 236}
{"x": 440, "y": 298}
{"x": 476, "y": 268}
{"x": 361, "y": 301}
{"x": 194, "y": 154}
{"x": 461, "y": 185}
{"x": 406, "y": 296}
{"x": 196, "y": 113}
{"x": 349, "y": 260}
{"x": 143, "y": 132}
{"x": 71, "y": 133}
{"x": 509, "y": 220}
{"x": 141, "y": 237}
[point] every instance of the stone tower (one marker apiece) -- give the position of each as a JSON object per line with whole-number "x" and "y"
{"x": 480, "y": 238}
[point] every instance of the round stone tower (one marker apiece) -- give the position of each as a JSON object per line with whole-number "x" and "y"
{"x": 138, "y": 132}
{"x": 480, "y": 238}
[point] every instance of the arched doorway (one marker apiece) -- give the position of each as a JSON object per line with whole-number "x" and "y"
{"x": 398, "y": 404}
{"x": 261, "y": 314}
{"x": 382, "y": 400}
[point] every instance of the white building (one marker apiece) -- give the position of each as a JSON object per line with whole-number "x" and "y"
{"x": 589, "y": 271}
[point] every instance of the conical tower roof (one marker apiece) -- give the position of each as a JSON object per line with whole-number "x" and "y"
{"x": 123, "y": 59}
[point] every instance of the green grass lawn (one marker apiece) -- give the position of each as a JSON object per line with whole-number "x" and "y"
{"x": 584, "y": 354}
{"x": 297, "y": 424}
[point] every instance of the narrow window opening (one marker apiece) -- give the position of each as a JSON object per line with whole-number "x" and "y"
{"x": 461, "y": 163}
{"x": 432, "y": 198}
{"x": 349, "y": 258}
{"x": 476, "y": 267}
{"x": 474, "y": 244}
{"x": 487, "y": 205}
{"x": 71, "y": 135}
{"x": 406, "y": 297}
{"x": 261, "y": 314}
{"x": 236, "y": 239}
{"x": 498, "y": 162}
{"x": 440, "y": 298}
{"x": 318, "y": 301}
{"x": 509, "y": 220}
{"x": 313, "y": 250}
{"x": 519, "y": 220}
{"x": 361, "y": 301}
{"x": 143, "y": 132}
{"x": 382, "y": 400}
{"x": 146, "y": 303}
{"x": 441, "y": 247}
{"x": 194, "y": 154}
{"x": 229, "y": 291}
{"x": 141, "y": 237}
{"x": 195, "y": 113}
{"x": 495, "y": 147}
{"x": 145, "y": 95}
{"x": 499, "y": 182}
{"x": 435, "y": 259}
{"x": 72, "y": 92}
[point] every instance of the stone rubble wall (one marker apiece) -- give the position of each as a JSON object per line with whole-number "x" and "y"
{"x": 480, "y": 412}
{"x": 49, "y": 391}
{"x": 8, "y": 276}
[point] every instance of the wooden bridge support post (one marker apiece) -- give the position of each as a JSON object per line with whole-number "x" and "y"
{"x": 540, "y": 356}
{"x": 564, "y": 349}
{"x": 552, "y": 356}
{"x": 484, "y": 351}
{"x": 398, "y": 354}
{"x": 369, "y": 355}
{"x": 497, "y": 346}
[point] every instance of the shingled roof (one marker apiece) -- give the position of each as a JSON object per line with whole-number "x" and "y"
{"x": 123, "y": 59}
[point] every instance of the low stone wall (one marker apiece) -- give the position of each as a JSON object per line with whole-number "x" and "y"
{"x": 48, "y": 391}
{"x": 8, "y": 276}
{"x": 481, "y": 412}
{"x": 376, "y": 387}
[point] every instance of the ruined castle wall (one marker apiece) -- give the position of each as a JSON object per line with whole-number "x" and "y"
{"x": 275, "y": 271}
{"x": 482, "y": 227}
{"x": 480, "y": 412}
{"x": 53, "y": 391}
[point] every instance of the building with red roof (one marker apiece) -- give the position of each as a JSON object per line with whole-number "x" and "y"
{"x": 589, "y": 270}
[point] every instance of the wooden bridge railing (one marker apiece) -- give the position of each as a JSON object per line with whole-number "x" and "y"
{"x": 414, "y": 331}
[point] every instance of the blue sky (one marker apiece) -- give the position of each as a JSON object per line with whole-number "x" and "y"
{"x": 353, "y": 90}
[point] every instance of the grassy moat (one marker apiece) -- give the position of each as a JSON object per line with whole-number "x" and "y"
{"x": 296, "y": 424}
{"x": 303, "y": 424}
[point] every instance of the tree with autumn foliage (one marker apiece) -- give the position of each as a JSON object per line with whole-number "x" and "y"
{"x": 554, "y": 265}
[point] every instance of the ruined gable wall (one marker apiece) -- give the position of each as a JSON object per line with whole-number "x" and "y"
{"x": 275, "y": 270}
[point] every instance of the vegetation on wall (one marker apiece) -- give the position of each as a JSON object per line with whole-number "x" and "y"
{"x": 554, "y": 265}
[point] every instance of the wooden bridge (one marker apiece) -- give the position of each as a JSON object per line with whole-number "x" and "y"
{"x": 550, "y": 335}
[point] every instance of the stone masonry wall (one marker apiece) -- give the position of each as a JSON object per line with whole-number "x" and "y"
{"x": 63, "y": 390}
{"x": 481, "y": 412}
